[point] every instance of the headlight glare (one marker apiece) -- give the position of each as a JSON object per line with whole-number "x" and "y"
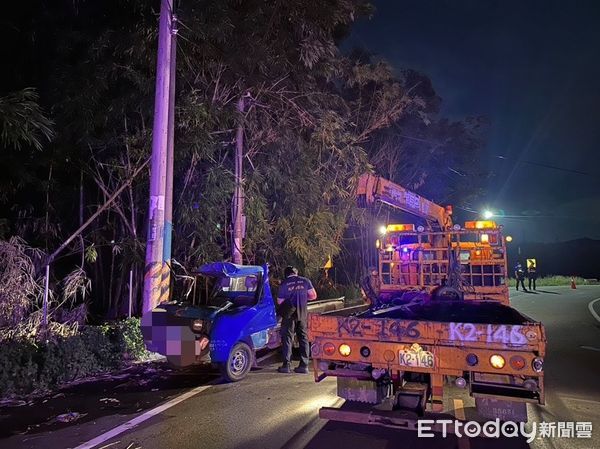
{"x": 197, "y": 325}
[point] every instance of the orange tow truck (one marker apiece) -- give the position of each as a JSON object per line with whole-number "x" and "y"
{"x": 438, "y": 314}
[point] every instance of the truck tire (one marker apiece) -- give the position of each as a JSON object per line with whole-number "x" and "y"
{"x": 447, "y": 293}
{"x": 239, "y": 362}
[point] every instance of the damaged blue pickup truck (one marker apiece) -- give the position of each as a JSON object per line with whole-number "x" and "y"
{"x": 238, "y": 319}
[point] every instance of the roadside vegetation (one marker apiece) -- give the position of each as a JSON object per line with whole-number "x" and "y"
{"x": 38, "y": 355}
{"x": 556, "y": 280}
{"x": 65, "y": 354}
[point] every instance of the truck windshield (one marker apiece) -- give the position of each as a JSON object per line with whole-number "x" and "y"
{"x": 241, "y": 291}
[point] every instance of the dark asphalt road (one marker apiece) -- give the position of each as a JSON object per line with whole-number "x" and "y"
{"x": 270, "y": 410}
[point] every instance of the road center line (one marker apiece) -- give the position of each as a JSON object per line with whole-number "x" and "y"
{"x": 592, "y": 311}
{"x": 141, "y": 418}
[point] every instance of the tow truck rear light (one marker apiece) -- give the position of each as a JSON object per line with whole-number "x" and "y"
{"x": 538, "y": 364}
{"x": 344, "y": 350}
{"x": 472, "y": 359}
{"x": 365, "y": 351}
{"x": 315, "y": 349}
{"x": 329, "y": 349}
{"x": 388, "y": 355}
{"x": 517, "y": 362}
{"x": 497, "y": 361}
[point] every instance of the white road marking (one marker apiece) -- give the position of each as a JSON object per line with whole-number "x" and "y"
{"x": 140, "y": 419}
{"x": 587, "y": 401}
{"x": 592, "y": 311}
{"x": 591, "y": 348}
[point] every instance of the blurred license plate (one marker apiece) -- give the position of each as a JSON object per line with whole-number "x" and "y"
{"x": 416, "y": 358}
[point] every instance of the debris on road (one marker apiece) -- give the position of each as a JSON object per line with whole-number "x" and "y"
{"x": 14, "y": 403}
{"x": 114, "y": 402}
{"x": 69, "y": 417}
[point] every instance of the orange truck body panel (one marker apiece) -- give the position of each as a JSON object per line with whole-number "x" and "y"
{"x": 449, "y": 343}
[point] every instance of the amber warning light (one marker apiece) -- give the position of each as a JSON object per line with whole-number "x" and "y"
{"x": 400, "y": 227}
{"x": 480, "y": 224}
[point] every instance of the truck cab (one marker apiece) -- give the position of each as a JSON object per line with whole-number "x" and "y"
{"x": 234, "y": 320}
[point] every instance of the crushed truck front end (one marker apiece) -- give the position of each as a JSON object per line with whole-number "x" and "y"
{"x": 380, "y": 355}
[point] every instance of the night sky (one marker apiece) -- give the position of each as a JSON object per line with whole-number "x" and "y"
{"x": 533, "y": 69}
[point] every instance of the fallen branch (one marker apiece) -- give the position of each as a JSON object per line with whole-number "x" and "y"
{"x": 97, "y": 213}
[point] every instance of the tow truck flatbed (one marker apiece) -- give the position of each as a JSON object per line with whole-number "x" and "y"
{"x": 464, "y": 339}
{"x": 482, "y": 312}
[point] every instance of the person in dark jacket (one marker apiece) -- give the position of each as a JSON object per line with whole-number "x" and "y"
{"x": 293, "y": 296}
{"x": 520, "y": 276}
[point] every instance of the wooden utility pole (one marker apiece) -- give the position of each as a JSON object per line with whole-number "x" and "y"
{"x": 238, "y": 198}
{"x": 155, "y": 267}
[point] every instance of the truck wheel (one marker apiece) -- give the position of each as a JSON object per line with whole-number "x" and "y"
{"x": 446, "y": 293}
{"x": 238, "y": 363}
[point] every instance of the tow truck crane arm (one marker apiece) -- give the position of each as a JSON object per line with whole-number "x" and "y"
{"x": 372, "y": 189}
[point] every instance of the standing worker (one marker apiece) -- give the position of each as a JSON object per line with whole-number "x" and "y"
{"x": 531, "y": 274}
{"x": 520, "y": 276}
{"x": 293, "y": 296}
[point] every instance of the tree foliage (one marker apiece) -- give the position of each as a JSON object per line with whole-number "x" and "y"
{"x": 22, "y": 121}
{"x": 315, "y": 118}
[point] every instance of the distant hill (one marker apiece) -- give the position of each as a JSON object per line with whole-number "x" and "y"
{"x": 579, "y": 257}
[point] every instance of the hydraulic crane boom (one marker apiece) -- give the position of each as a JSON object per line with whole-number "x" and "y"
{"x": 372, "y": 189}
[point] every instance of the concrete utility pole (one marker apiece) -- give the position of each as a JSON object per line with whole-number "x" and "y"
{"x": 168, "y": 231}
{"x": 238, "y": 197}
{"x": 156, "y": 220}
